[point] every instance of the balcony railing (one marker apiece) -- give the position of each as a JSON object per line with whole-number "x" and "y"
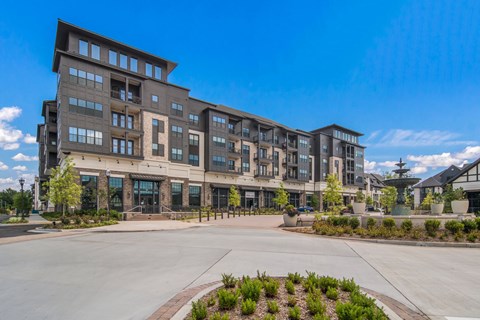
{"x": 233, "y": 169}
{"x": 265, "y": 157}
{"x": 234, "y": 151}
{"x": 263, "y": 174}
{"x": 121, "y": 95}
{"x": 262, "y": 139}
{"x": 290, "y": 161}
{"x": 292, "y": 145}
{"x": 289, "y": 177}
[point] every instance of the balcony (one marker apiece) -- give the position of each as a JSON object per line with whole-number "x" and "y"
{"x": 262, "y": 139}
{"x": 121, "y": 91}
{"x": 233, "y": 152}
{"x": 234, "y": 170}
{"x": 121, "y": 95}
{"x": 263, "y": 157}
{"x": 232, "y": 135}
{"x": 289, "y": 162}
{"x": 263, "y": 174}
{"x": 292, "y": 145}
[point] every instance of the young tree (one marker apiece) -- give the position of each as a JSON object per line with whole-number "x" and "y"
{"x": 369, "y": 201}
{"x": 23, "y": 203}
{"x": 234, "y": 197}
{"x": 281, "y": 196}
{"x": 62, "y": 188}
{"x": 315, "y": 202}
{"x": 6, "y": 198}
{"x": 427, "y": 201}
{"x": 333, "y": 192}
{"x": 388, "y": 199}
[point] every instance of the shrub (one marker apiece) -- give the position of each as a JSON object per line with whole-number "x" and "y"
{"x": 269, "y": 316}
{"x": 290, "y": 287}
{"x": 327, "y": 282}
{"x": 319, "y": 316}
{"x": 251, "y": 289}
{"x": 291, "y": 301}
{"x": 311, "y": 282}
{"x": 295, "y": 277}
{"x": 472, "y": 237}
{"x": 14, "y": 220}
{"x": 338, "y": 221}
{"x": 271, "y": 288}
{"x": 432, "y": 225}
{"x": 407, "y": 225}
{"x": 229, "y": 280}
{"x": 348, "y": 311}
{"x": 315, "y": 304}
{"x": 218, "y": 316}
{"x": 262, "y": 276}
{"x": 469, "y": 226}
{"x": 362, "y": 300}
{"x": 388, "y": 223}
{"x": 332, "y": 293}
{"x": 248, "y": 307}
{"x": 454, "y": 226}
{"x": 65, "y": 220}
{"x": 272, "y": 306}
{"x": 294, "y": 313}
{"x": 354, "y": 223}
{"x": 458, "y": 236}
{"x": 199, "y": 310}
{"x": 477, "y": 221}
{"x": 227, "y": 300}
{"x": 211, "y": 301}
{"x": 348, "y": 285}
{"x": 371, "y": 222}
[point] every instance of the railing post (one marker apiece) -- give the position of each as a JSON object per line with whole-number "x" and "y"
{"x": 215, "y": 213}
{"x": 208, "y": 215}
{"x": 221, "y": 212}
{"x": 199, "y": 215}
{"x": 228, "y": 214}
{"x": 243, "y": 212}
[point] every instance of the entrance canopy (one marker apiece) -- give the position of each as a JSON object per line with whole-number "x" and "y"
{"x": 148, "y": 177}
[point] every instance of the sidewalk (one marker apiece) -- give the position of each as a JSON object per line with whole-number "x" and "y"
{"x": 139, "y": 226}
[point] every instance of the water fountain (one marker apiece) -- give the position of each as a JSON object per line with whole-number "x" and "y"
{"x": 401, "y": 183}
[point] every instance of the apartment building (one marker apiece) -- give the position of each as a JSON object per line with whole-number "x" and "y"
{"x": 126, "y": 126}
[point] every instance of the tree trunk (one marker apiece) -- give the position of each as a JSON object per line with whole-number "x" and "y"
{"x": 63, "y": 210}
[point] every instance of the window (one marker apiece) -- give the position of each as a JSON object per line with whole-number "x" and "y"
{"x": 73, "y": 134}
{"x": 81, "y": 135}
{"x": 194, "y": 193}
{"x": 157, "y": 149}
{"x": 193, "y": 139}
{"x": 116, "y": 196}
{"x": 95, "y": 52}
{"x": 303, "y": 143}
{"x": 89, "y": 198}
{"x": 123, "y": 61}
{"x": 276, "y": 155}
{"x": 86, "y": 78}
{"x": 219, "y": 142}
{"x": 359, "y": 167}
{"x": 80, "y": 103}
{"x": 155, "y": 122}
{"x": 193, "y": 118}
{"x": 83, "y": 47}
{"x": 177, "y": 109}
{"x": 303, "y": 158}
{"x": 219, "y": 122}
{"x": 177, "y": 194}
{"x": 246, "y": 150}
{"x": 130, "y": 147}
{"x": 302, "y": 173}
{"x": 177, "y": 154}
{"x": 193, "y": 160}
{"x": 130, "y": 122}
{"x": 231, "y": 128}
{"x": 246, "y": 132}
{"x": 154, "y": 98}
{"x": 275, "y": 139}
{"x": 119, "y": 120}
{"x": 231, "y": 165}
{"x": 98, "y": 138}
{"x": 112, "y": 57}
{"x": 246, "y": 166}
{"x": 276, "y": 171}
{"x": 133, "y": 64}
{"x": 359, "y": 154}
{"x": 219, "y": 161}
{"x": 177, "y": 132}
{"x": 148, "y": 69}
{"x": 121, "y": 146}
{"x": 158, "y": 73}
{"x": 90, "y": 137}
{"x": 325, "y": 148}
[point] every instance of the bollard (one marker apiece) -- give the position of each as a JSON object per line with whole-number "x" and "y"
{"x": 215, "y": 213}
{"x": 199, "y": 215}
{"x": 208, "y": 215}
{"x": 243, "y": 213}
{"x": 228, "y": 214}
{"x": 221, "y": 213}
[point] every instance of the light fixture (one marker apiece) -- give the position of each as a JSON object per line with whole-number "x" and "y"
{"x": 118, "y": 161}
{"x": 99, "y": 160}
{"x": 131, "y": 163}
{"x": 83, "y": 158}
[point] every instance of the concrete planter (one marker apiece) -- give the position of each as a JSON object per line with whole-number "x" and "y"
{"x": 437, "y": 208}
{"x": 290, "y": 221}
{"x": 460, "y": 206}
{"x": 359, "y": 207}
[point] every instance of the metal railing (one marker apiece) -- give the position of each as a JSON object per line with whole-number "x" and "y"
{"x": 121, "y": 95}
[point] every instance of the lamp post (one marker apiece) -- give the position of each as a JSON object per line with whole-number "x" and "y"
{"x": 108, "y": 173}
{"x": 22, "y": 182}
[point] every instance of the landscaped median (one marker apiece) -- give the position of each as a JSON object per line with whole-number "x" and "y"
{"x": 79, "y": 221}
{"x": 452, "y": 231}
{"x": 15, "y": 220}
{"x": 294, "y": 297}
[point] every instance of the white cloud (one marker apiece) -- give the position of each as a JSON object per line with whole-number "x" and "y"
{"x": 8, "y": 134}
{"x": 388, "y": 164}
{"x": 11, "y": 146}
{"x": 3, "y": 166}
{"x": 8, "y": 114}
{"x": 370, "y": 166}
{"x": 29, "y": 139}
{"x": 446, "y": 159}
{"x": 20, "y": 168}
{"x": 412, "y": 138}
{"x": 21, "y": 157}
{"x": 9, "y": 183}
{"x": 418, "y": 170}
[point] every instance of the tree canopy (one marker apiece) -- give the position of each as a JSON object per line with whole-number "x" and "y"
{"x": 281, "y": 196}
{"x": 234, "y": 197}
{"x": 388, "y": 199}
{"x": 333, "y": 192}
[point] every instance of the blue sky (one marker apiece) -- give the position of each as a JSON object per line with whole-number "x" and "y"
{"x": 405, "y": 73}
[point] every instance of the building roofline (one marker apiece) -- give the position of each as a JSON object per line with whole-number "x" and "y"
{"x": 334, "y": 125}
{"x": 463, "y": 170}
{"x": 63, "y": 28}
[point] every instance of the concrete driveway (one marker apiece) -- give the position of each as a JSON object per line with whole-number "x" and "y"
{"x": 129, "y": 275}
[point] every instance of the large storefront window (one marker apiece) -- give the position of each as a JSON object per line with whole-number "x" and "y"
{"x": 89, "y": 193}
{"x": 269, "y": 196}
{"x": 220, "y": 197}
{"x": 194, "y": 196}
{"x": 295, "y": 199}
{"x": 116, "y": 193}
{"x": 146, "y": 194}
{"x": 249, "y": 199}
{"x": 309, "y": 199}
{"x": 176, "y": 195}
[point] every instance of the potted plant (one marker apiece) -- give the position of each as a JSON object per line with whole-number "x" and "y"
{"x": 290, "y": 216}
{"x": 437, "y": 205}
{"x": 459, "y": 202}
{"x": 359, "y": 203}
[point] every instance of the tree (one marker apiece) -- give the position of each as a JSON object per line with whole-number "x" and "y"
{"x": 333, "y": 192}
{"x": 315, "y": 202}
{"x": 233, "y": 197}
{"x": 63, "y": 188}
{"x": 281, "y": 196}
{"x": 369, "y": 201}
{"x": 388, "y": 199}
{"x": 23, "y": 203}
{"x": 6, "y": 198}
{"x": 427, "y": 201}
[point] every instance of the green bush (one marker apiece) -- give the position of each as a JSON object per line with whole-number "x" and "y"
{"x": 248, "y": 307}
{"x": 349, "y": 311}
{"x": 354, "y": 223}
{"x": 348, "y": 285}
{"x": 469, "y": 226}
{"x": 251, "y": 289}
{"x": 332, "y": 293}
{"x": 315, "y": 304}
{"x": 311, "y": 282}
{"x": 454, "y": 226}
{"x": 15, "y": 220}
{"x": 472, "y": 237}
{"x": 271, "y": 288}
{"x": 199, "y": 310}
{"x": 432, "y": 226}
{"x": 361, "y": 299}
{"x": 371, "y": 222}
{"x": 326, "y": 282}
{"x": 229, "y": 280}
{"x": 227, "y": 300}
{"x": 269, "y": 316}
{"x": 218, "y": 316}
{"x": 407, "y": 225}
{"x": 290, "y": 287}
{"x": 319, "y": 316}
{"x": 211, "y": 301}
{"x": 477, "y": 221}
{"x": 389, "y": 223}
{"x": 294, "y": 313}
{"x": 262, "y": 276}
{"x": 337, "y": 221}
{"x": 295, "y": 277}
{"x": 272, "y": 306}
{"x": 291, "y": 301}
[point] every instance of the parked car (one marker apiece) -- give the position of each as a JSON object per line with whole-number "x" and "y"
{"x": 305, "y": 209}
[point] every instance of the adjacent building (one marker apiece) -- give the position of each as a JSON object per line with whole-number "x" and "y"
{"x": 468, "y": 178}
{"x": 373, "y": 187}
{"x": 434, "y": 184}
{"x": 126, "y": 126}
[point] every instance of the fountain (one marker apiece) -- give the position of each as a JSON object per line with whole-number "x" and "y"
{"x": 401, "y": 183}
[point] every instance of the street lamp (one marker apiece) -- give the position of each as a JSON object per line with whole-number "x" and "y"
{"x": 22, "y": 182}
{"x": 108, "y": 173}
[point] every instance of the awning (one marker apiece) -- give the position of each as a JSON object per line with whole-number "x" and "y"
{"x": 148, "y": 177}
{"x": 294, "y": 191}
{"x": 247, "y": 188}
{"x": 219, "y": 186}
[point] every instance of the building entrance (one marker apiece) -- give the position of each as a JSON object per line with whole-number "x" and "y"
{"x": 147, "y": 195}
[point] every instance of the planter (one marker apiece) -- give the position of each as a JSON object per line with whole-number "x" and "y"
{"x": 290, "y": 221}
{"x": 437, "y": 208}
{"x": 359, "y": 207}
{"x": 460, "y": 206}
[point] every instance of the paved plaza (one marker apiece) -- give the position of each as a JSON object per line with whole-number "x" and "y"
{"x": 128, "y": 275}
